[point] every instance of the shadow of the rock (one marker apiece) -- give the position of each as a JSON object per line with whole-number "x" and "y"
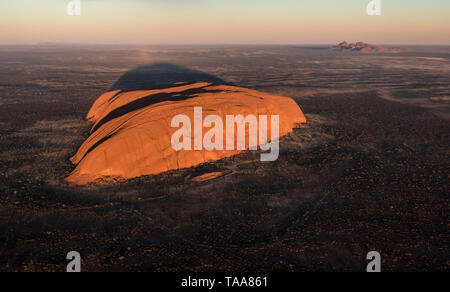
{"x": 162, "y": 75}
{"x": 149, "y": 100}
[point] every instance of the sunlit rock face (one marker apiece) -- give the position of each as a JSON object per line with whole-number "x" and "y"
{"x": 132, "y": 131}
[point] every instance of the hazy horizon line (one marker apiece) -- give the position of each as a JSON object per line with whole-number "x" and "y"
{"x": 210, "y": 44}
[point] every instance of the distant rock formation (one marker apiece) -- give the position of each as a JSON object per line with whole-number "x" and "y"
{"x": 132, "y": 131}
{"x": 363, "y": 47}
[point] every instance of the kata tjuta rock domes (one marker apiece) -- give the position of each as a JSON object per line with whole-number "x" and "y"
{"x": 133, "y": 130}
{"x": 364, "y": 47}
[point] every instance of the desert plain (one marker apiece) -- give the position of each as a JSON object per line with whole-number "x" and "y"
{"x": 368, "y": 172}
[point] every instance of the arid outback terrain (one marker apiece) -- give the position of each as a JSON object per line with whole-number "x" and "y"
{"x": 369, "y": 171}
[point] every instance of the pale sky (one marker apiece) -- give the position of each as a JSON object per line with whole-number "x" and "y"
{"x": 225, "y": 22}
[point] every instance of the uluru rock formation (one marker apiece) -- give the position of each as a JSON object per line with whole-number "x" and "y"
{"x": 132, "y": 131}
{"x": 363, "y": 47}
